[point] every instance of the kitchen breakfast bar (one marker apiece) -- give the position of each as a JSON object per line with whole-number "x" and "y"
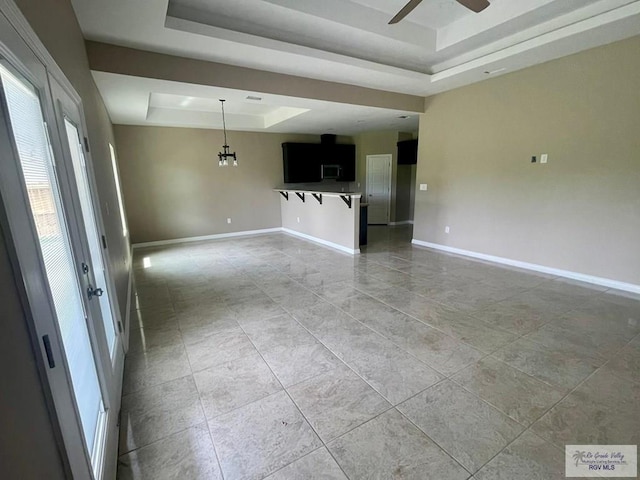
{"x": 327, "y": 217}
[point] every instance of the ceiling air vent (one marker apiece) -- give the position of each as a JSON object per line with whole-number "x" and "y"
{"x": 255, "y": 99}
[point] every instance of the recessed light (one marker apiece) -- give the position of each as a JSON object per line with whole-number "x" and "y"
{"x": 256, "y": 99}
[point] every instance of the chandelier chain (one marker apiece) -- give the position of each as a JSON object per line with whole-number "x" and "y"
{"x": 224, "y": 123}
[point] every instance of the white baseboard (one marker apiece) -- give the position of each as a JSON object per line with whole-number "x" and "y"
{"x": 403, "y": 222}
{"x": 605, "y": 282}
{"x": 327, "y": 243}
{"x": 216, "y": 236}
{"x": 245, "y": 234}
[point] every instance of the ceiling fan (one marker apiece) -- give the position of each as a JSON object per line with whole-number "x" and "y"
{"x": 475, "y": 5}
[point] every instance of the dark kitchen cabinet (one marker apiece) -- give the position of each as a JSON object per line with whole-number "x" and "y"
{"x": 301, "y": 162}
{"x": 345, "y": 156}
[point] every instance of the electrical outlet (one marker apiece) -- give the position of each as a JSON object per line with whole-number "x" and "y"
{"x": 423, "y": 187}
{"x": 446, "y": 229}
{"x": 543, "y": 158}
{"x": 228, "y": 220}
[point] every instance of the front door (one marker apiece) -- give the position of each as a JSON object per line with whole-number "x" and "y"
{"x": 38, "y": 179}
{"x": 55, "y": 238}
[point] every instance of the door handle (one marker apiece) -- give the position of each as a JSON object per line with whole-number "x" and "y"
{"x": 47, "y": 349}
{"x": 94, "y": 292}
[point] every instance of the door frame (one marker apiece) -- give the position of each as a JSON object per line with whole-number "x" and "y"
{"x": 110, "y": 369}
{"x": 389, "y": 157}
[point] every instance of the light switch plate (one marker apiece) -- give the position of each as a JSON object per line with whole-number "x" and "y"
{"x": 543, "y": 158}
{"x": 423, "y": 186}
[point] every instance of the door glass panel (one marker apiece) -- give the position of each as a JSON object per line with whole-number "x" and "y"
{"x": 35, "y": 157}
{"x": 82, "y": 182}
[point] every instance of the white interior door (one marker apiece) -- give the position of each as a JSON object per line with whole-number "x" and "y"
{"x": 379, "y": 188}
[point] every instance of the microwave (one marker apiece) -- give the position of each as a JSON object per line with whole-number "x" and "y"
{"x": 331, "y": 171}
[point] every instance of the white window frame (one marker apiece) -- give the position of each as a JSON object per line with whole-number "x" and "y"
{"x": 116, "y": 176}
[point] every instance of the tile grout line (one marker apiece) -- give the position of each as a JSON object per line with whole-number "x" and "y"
{"x": 551, "y": 443}
{"x": 391, "y": 306}
{"x": 304, "y": 456}
{"x": 485, "y": 354}
{"x": 492, "y": 405}
{"x": 199, "y": 401}
{"x": 392, "y": 407}
{"x": 446, "y": 452}
{"x": 526, "y": 428}
{"x": 398, "y": 346}
{"x": 454, "y": 310}
{"x": 290, "y": 314}
{"x": 297, "y": 408}
{"x": 213, "y": 443}
{"x": 158, "y": 440}
{"x": 450, "y": 377}
{"x": 349, "y": 366}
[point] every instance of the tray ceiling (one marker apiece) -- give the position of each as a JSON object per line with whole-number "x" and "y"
{"x": 439, "y": 46}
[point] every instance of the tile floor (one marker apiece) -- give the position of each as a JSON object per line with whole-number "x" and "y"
{"x": 272, "y": 357}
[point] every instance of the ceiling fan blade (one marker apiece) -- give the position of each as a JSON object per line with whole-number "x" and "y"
{"x": 406, "y": 10}
{"x": 475, "y": 5}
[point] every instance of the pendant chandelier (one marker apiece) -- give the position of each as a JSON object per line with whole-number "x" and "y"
{"x": 224, "y": 155}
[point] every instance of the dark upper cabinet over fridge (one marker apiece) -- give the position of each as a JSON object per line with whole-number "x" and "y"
{"x": 408, "y": 152}
{"x": 345, "y": 157}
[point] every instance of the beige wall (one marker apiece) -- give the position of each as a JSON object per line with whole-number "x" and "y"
{"x": 174, "y": 188}
{"x": 405, "y": 192}
{"x": 581, "y": 211}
